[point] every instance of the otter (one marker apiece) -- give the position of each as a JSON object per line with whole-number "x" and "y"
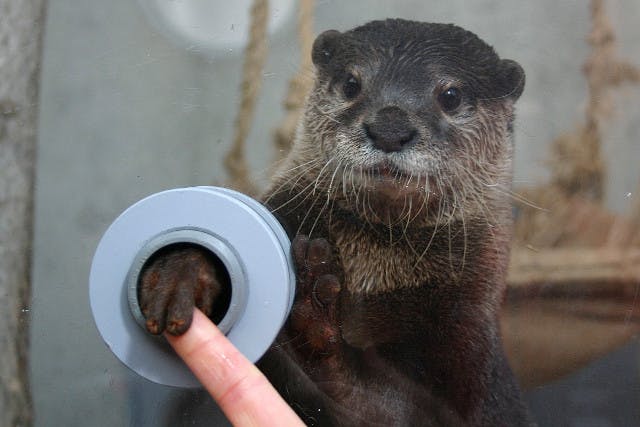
{"x": 395, "y": 194}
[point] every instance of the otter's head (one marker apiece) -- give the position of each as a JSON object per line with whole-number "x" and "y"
{"x": 410, "y": 116}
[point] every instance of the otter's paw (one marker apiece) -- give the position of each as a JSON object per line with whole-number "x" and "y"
{"x": 173, "y": 282}
{"x": 313, "y": 318}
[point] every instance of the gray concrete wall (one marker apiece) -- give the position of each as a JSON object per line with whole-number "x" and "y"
{"x": 125, "y": 112}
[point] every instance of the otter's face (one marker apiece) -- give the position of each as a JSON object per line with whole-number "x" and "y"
{"x": 408, "y": 111}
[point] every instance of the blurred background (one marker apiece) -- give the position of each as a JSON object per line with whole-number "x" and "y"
{"x": 138, "y": 97}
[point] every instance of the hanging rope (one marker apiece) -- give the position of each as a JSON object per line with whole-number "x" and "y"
{"x": 578, "y": 170}
{"x": 577, "y": 164}
{"x": 301, "y": 82}
{"x": 255, "y": 55}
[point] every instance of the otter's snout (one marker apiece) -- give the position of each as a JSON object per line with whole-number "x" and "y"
{"x": 390, "y": 130}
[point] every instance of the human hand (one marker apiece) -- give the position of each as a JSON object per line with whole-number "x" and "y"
{"x": 243, "y": 393}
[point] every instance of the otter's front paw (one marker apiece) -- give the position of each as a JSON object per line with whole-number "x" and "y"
{"x": 173, "y": 282}
{"x": 313, "y": 318}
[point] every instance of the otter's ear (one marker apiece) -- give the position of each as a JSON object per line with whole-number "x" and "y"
{"x": 324, "y": 48}
{"x": 512, "y": 79}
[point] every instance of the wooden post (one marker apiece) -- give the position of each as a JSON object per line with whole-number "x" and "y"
{"x": 21, "y": 25}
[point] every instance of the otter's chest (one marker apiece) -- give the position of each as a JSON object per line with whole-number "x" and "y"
{"x": 373, "y": 264}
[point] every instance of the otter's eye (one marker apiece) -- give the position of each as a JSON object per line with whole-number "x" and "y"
{"x": 351, "y": 87}
{"x": 450, "y": 99}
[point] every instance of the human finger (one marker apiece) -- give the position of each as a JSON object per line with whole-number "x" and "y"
{"x": 243, "y": 393}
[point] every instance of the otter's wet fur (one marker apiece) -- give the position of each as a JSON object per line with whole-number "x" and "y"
{"x": 403, "y": 163}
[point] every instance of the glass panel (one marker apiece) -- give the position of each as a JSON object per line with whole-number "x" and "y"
{"x": 127, "y": 110}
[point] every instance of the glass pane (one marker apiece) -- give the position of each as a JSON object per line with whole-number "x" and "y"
{"x": 131, "y": 107}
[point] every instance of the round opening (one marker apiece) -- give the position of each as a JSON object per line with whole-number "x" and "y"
{"x": 164, "y": 260}
{"x": 229, "y": 301}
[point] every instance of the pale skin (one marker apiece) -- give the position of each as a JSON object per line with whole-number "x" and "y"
{"x": 243, "y": 393}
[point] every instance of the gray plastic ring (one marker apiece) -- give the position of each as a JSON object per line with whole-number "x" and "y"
{"x": 241, "y": 232}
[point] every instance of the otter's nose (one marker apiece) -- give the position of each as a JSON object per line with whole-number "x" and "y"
{"x": 391, "y": 130}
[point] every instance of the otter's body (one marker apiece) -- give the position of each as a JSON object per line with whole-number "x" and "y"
{"x": 395, "y": 195}
{"x": 417, "y": 354}
{"x": 407, "y": 184}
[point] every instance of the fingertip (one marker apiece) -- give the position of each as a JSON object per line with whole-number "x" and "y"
{"x": 327, "y": 288}
{"x": 319, "y": 252}
{"x": 153, "y": 326}
{"x": 177, "y": 327}
{"x": 180, "y": 310}
{"x": 197, "y": 333}
{"x": 299, "y": 247}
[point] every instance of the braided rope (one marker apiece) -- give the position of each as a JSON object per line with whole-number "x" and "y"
{"x": 301, "y": 82}
{"x": 578, "y": 166}
{"x": 255, "y": 56}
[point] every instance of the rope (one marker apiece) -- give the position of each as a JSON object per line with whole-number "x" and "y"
{"x": 301, "y": 82}
{"x": 577, "y": 165}
{"x": 578, "y": 170}
{"x": 255, "y": 55}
